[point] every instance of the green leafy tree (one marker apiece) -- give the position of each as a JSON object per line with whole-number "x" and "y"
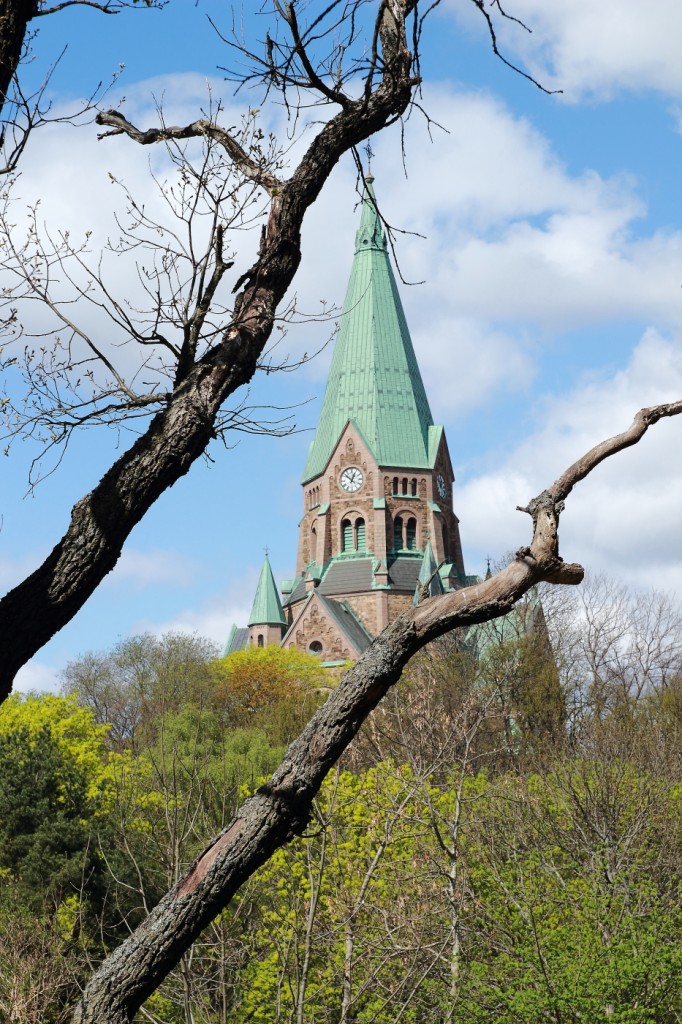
{"x": 273, "y": 688}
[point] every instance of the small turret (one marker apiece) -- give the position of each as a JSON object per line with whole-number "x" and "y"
{"x": 267, "y": 623}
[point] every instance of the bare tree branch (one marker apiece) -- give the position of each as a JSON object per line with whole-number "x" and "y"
{"x": 249, "y": 167}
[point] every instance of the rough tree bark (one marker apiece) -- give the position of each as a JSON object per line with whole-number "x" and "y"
{"x": 280, "y": 809}
{"x": 37, "y": 608}
{"x": 14, "y": 18}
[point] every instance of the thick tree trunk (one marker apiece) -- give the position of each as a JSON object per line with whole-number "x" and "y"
{"x": 14, "y": 18}
{"x": 101, "y": 522}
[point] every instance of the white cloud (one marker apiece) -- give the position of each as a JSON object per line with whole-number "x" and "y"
{"x": 625, "y": 518}
{"x": 592, "y": 49}
{"x": 37, "y": 677}
{"x": 508, "y": 260}
{"x": 536, "y": 247}
{"x": 152, "y": 568}
{"x": 214, "y": 616}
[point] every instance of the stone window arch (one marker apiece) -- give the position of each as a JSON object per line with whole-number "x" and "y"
{"x": 411, "y": 534}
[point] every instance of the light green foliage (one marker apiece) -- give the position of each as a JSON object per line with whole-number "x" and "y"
{"x": 453, "y": 871}
{"x": 73, "y": 729}
{"x": 344, "y": 929}
{"x": 54, "y": 791}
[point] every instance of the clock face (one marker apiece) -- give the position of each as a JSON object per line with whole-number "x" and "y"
{"x": 351, "y": 479}
{"x": 441, "y": 485}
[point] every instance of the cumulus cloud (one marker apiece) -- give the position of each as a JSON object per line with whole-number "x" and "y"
{"x": 508, "y": 261}
{"x": 215, "y": 615}
{"x": 625, "y": 518}
{"x": 537, "y": 247}
{"x": 36, "y": 677}
{"x": 593, "y": 49}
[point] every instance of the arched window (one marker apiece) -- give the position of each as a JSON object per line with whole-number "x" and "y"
{"x": 404, "y": 485}
{"x": 261, "y": 642}
{"x": 395, "y": 484}
{"x": 413, "y": 487}
{"x": 313, "y": 541}
{"x": 397, "y": 533}
{"x": 315, "y": 648}
{"x": 411, "y": 534}
{"x": 346, "y": 535}
{"x": 360, "y": 537}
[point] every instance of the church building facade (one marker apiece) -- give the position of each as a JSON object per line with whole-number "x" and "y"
{"x": 378, "y": 520}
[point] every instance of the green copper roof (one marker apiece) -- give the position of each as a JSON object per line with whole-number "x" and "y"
{"x": 267, "y": 607}
{"x": 374, "y": 379}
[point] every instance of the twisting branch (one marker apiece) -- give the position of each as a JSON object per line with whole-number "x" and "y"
{"x": 281, "y": 808}
{"x": 644, "y": 419}
{"x": 250, "y": 168}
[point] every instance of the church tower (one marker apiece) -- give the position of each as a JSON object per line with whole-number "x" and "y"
{"x": 377, "y": 485}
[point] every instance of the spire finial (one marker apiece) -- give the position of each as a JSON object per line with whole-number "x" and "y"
{"x": 369, "y": 154}
{"x": 488, "y": 573}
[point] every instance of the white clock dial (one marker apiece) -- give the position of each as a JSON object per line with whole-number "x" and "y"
{"x": 441, "y": 485}
{"x": 351, "y": 479}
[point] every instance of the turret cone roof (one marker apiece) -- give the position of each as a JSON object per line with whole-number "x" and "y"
{"x": 267, "y": 607}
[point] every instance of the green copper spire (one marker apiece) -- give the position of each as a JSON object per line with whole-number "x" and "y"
{"x": 267, "y": 607}
{"x": 374, "y": 379}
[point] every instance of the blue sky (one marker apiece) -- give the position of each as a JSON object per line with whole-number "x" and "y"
{"x": 551, "y": 308}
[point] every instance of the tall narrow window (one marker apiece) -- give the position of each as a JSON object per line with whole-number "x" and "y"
{"x": 395, "y": 484}
{"x": 346, "y": 535}
{"x": 360, "y": 534}
{"x": 413, "y": 487}
{"x": 397, "y": 533}
{"x": 260, "y": 640}
{"x": 404, "y": 485}
{"x": 411, "y": 534}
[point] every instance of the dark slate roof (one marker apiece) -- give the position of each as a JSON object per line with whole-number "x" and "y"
{"x": 348, "y": 622}
{"x": 403, "y": 573}
{"x": 237, "y": 640}
{"x": 297, "y": 594}
{"x": 351, "y": 576}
